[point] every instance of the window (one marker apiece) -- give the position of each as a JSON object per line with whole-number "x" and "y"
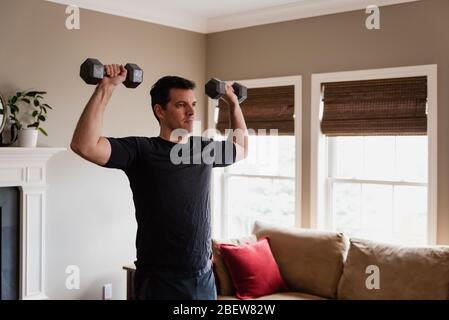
{"x": 374, "y": 154}
{"x": 261, "y": 187}
{"x": 266, "y": 186}
{"x": 377, "y": 187}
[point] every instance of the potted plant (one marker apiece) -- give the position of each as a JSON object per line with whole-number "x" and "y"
{"x": 27, "y": 136}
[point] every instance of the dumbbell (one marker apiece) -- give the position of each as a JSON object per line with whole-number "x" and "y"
{"x": 92, "y": 71}
{"x": 215, "y": 89}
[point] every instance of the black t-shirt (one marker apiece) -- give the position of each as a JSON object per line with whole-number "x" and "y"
{"x": 171, "y": 198}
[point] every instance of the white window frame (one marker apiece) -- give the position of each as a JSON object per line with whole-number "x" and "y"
{"x": 318, "y": 187}
{"x": 218, "y": 185}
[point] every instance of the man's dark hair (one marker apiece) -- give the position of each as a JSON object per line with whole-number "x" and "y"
{"x": 160, "y": 91}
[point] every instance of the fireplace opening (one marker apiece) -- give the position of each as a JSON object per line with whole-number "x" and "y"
{"x": 9, "y": 243}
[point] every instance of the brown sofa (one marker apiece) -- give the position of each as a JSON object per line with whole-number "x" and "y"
{"x": 327, "y": 265}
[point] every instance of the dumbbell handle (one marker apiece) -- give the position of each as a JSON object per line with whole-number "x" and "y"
{"x": 133, "y": 79}
{"x": 102, "y": 71}
{"x": 105, "y": 72}
{"x": 236, "y": 86}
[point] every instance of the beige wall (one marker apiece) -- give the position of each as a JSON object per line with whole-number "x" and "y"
{"x": 411, "y": 34}
{"x": 90, "y": 220}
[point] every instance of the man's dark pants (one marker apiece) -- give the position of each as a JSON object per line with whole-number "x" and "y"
{"x": 163, "y": 285}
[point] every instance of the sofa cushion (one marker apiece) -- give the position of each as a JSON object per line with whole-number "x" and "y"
{"x": 223, "y": 278}
{"x": 310, "y": 261}
{"x": 253, "y": 270}
{"x": 404, "y": 272}
{"x": 279, "y": 296}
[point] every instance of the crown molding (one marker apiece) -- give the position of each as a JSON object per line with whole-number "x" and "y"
{"x": 182, "y": 20}
{"x": 179, "y": 20}
{"x": 293, "y": 11}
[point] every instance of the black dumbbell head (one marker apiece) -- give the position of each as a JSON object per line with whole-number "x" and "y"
{"x": 92, "y": 71}
{"x": 134, "y": 77}
{"x": 215, "y": 88}
{"x": 240, "y": 91}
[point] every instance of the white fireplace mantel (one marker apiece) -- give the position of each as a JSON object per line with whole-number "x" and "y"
{"x": 25, "y": 168}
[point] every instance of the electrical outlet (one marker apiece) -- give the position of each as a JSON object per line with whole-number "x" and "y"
{"x": 107, "y": 291}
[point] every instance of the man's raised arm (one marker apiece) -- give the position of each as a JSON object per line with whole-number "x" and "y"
{"x": 87, "y": 141}
{"x": 238, "y": 124}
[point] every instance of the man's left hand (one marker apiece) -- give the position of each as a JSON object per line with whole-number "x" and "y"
{"x": 230, "y": 97}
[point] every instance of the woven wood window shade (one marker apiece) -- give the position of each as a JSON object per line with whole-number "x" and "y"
{"x": 375, "y": 107}
{"x": 265, "y": 108}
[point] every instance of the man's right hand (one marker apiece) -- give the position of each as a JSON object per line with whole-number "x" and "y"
{"x": 115, "y": 74}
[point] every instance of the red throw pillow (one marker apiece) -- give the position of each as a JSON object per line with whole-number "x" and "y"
{"x": 253, "y": 270}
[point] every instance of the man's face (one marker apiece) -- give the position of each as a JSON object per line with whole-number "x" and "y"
{"x": 180, "y": 111}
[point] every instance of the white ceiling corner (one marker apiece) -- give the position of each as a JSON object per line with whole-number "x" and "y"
{"x": 207, "y": 16}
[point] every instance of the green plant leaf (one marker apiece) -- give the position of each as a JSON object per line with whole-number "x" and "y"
{"x": 34, "y": 93}
{"x": 17, "y": 125}
{"x": 36, "y": 103}
{"x": 39, "y": 97}
{"x": 45, "y": 110}
{"x": 14, "y": 100}
{"x": 43, "y": 131}
{"x": 47, "y": 106}
{"x": 35, "y": 113}
{"x": 14, "y": 108}
{"x": 25, "y": 100}
{"x": 41, "y": 118}
{"x": 33, "y": 125}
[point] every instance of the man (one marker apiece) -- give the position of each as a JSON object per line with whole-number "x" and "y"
{"x": 171, "y": 197}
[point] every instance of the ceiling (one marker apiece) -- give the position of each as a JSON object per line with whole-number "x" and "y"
{"x": 207, "y": 16}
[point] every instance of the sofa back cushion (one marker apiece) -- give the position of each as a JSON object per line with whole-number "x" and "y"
{"x": 310, "y": 261}
{"x": 402, "y": 272}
